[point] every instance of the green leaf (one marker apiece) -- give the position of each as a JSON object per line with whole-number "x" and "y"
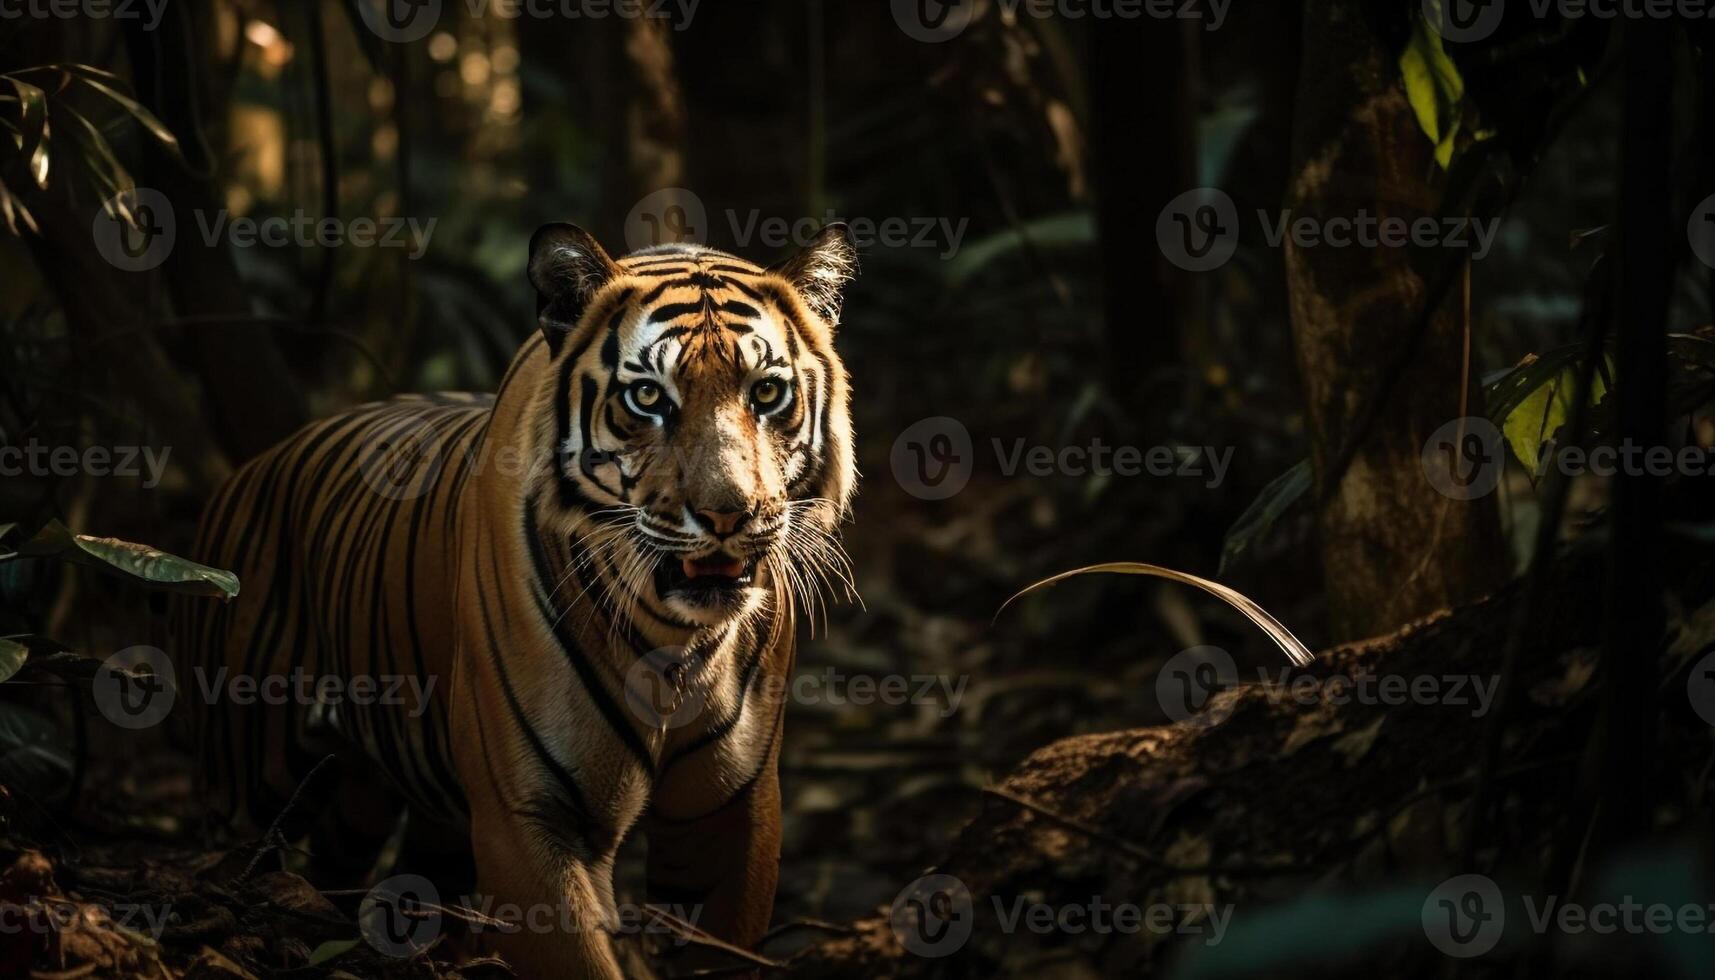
{"x": 1274, "y": 500}
{"x": 12, "y": 657}
{"x": 1290, "y": 645}
{"x": 1535, "y": 400}
{"x": 135, "y": 108}
{"x": 33, "y": 754}
{"x": 104, "y": 166}
{"x": 1069, "y": 228}
{"x": 66, "y": 664}
{"x": 331, "y": 949}
{"x": 33, "y": 107}
{"x": 1434, "y": 88}
{"x": 148, "y": 565}
{"x": 15, "y": 213}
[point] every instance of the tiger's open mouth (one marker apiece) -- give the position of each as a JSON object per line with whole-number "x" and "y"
{"x": 711, "y": 580}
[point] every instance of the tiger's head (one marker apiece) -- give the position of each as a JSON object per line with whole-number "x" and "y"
{"x": 702, "y": 420}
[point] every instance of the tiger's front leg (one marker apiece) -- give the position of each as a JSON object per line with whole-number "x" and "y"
{"x": 563, "y": 899}
{"x": 717, "y": 865}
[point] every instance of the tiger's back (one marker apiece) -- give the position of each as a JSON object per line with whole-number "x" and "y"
{"x": 344, "y": 540}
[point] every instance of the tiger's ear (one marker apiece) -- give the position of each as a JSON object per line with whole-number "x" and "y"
{"x": 567, "y": 267}
{"x": 820, "y": 272}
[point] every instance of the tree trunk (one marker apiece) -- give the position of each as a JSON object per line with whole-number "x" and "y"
{"x": 1393, "y": 548}
{"x": 620, "y": 75}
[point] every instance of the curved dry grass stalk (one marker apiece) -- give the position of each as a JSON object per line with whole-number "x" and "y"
{"x": 1290, "y": 645}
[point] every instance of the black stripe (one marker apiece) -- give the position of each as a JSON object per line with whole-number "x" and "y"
{"x": 672, "y": 311}
{"x": 598, "y": 692}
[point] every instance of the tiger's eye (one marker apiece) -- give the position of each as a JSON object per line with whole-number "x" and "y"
{"x": 647, "y": 398}
{"x": 767, "y": 393}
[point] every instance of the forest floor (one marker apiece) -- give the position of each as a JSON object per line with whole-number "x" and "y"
{"x": 1016, "y": 768}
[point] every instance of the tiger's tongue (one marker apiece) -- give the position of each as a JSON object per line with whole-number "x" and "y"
{"x": 713, "y": 565}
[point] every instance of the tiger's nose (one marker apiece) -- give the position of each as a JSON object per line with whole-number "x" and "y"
{"x": 722, "y": 524}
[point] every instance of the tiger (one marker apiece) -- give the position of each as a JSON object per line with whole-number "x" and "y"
{"x": 628, "y": 529}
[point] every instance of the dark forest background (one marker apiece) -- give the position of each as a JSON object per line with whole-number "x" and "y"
{"x": 1053, "y": 145}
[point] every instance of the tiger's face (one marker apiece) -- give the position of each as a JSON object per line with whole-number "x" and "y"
{"x": 702, "y": 420}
